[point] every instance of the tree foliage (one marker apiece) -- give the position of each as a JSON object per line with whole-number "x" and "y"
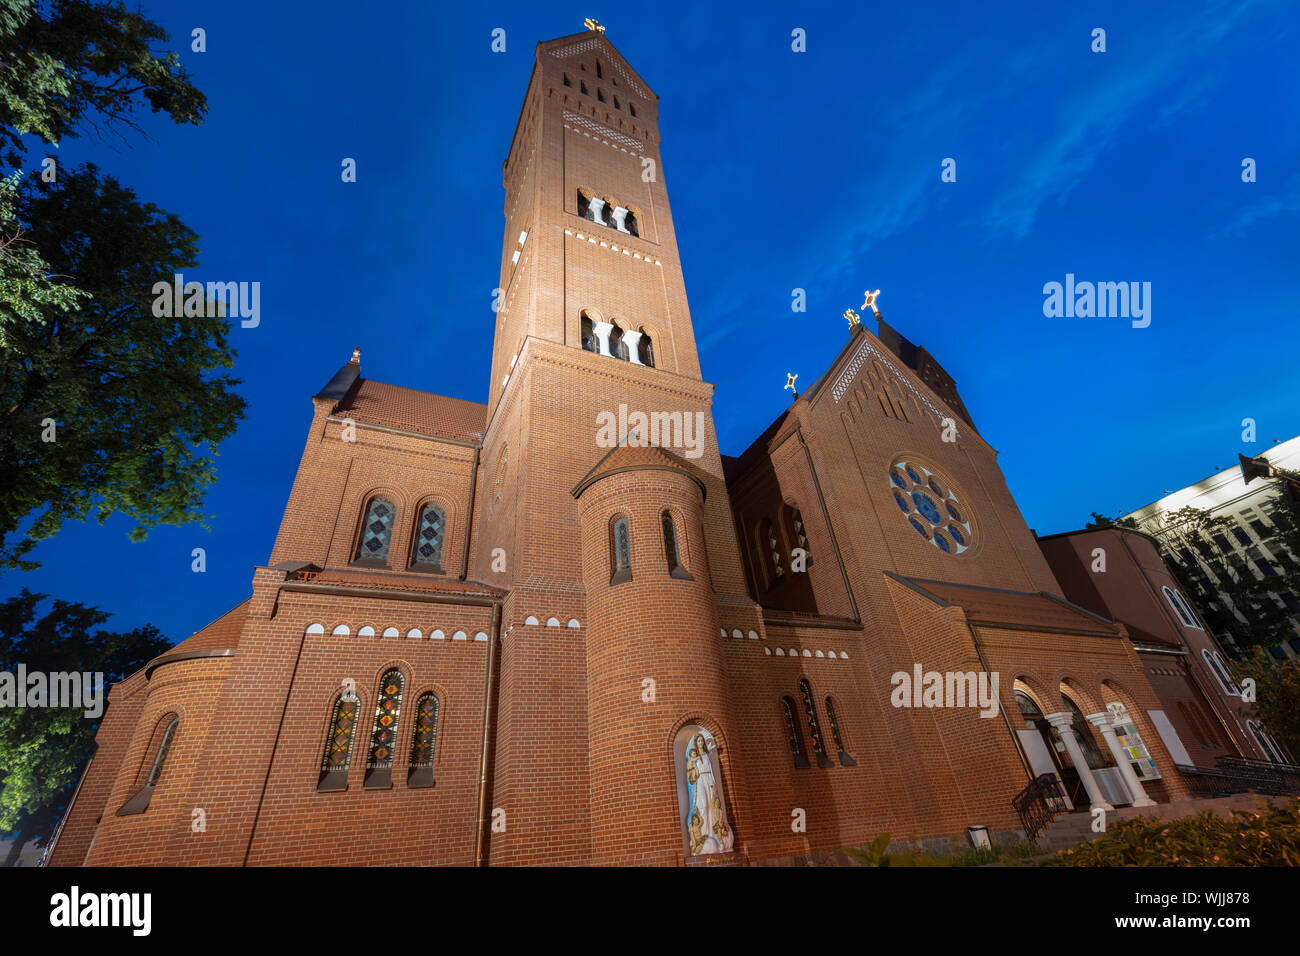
{"x": 137, "y": 408}
{"x": 42, "y": 749}
{"x": 69, "y": 65}
{"x": 1277, "y": 695}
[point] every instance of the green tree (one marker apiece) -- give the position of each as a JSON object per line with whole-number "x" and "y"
{"x": 43, "y": 749}
{"x": 130, "y": 401}
{"x": 138, "y": 411}
{"x": 1277, "y": 695}
{"x": 69, "y": 65}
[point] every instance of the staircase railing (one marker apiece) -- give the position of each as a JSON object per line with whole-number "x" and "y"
{"x": 1038, "y": 804}
{"x": 1239, "y": 775}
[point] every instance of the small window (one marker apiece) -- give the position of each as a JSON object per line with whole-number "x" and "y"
{"x": 600, "y": 74}
{"x": 567, "y": 81}
{"x": 793, "y": 737}
{"x": 675, "y": 569}
{"x": 1266, "y": 567}
{"x": 621, "y": 550}
{"x": 140, "y": 801}
{"x": 845, "y": 759}
{"x": 629, "y": 223}
{"x": 617, "y": 104}
{"x": 1266, "y": 742}
{"x": 588, "y": 334}
{"x": 584, "y": 206}
{"x": 583, "y": 87}
{"x": 1261, "y": 529}
{"x": 383, "y": 736}
{"x": 1224, "y": 544}
{"x": 600, "y": 95}
{"x": 631, "y": 109}
{"x": 424, "y": 741}
{"x": 1240, "y": 535}
{"x": 814, "y": 728}
{"x": 769, "y": 541}
{"x": 646, "y": 350}
{"x": 798, "y": 532}
{"x": 1181, "y": 608}
{"x": 1220, "y": 669}
{"x": 376, "y": 532}
{"x": 428, "y": 540}
{"x": 617, "y": 347}
{"x": 338, "y": 747}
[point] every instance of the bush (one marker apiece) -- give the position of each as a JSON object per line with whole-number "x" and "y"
{"x": 1269, "y": 836}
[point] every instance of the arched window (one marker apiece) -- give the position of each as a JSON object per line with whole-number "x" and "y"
{"x": 792, "y": 735}
{"x": 671, "y": 552}
{"x": 383, "y": 736}
{"x": 814, "y": 728}
{"x": 1215, "y": 663}
{"x": 424, "y": 741}
{"x": 771, "y": 546}
{"x": 589, "y": 334}
{"x": 629, "y": 222}
{"x": 794, "y": 527}
{"x": 620, "y": 551}
{"x": 617, "y": 347}
{"x": 1266, "y": 742}
{"x": 845, "y": 759}
{"x": 376, "y": 532}
{"x": 429, "y": 536}
{"x": 338, "y": 746}
{"x": 584, "y": 205}
{"x": 1181, "y": 608}
{"x": 645, "y": 348}
{"x": 1084, "y": 735}
{"x": 140, "y": 801}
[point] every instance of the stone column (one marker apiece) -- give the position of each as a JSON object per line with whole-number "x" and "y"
{"x": 632, "y": 340}
{"x": 1105, "y": 722}
{"x": 1064, "y": 722}
{"x": 619, "y": 213}
{"x": 594, "y": 209}
{"x": 602, "y": 337}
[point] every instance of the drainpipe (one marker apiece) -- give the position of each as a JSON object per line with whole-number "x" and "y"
{"x": 979, "y": 652}
{"x": 488, "y": 718}
{"x": 821, "y": 499}
{"x": 469, "y": 520}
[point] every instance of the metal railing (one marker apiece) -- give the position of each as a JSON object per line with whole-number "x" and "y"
{"x": 1239, "y": 775}
{"x": 1038, "y": 804}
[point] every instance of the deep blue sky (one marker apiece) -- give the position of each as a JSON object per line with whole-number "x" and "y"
{"x": 817, "y": 170}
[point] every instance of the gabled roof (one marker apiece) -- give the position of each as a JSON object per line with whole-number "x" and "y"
{"x": 630, "y": 458}
{"x": 560, "y": 46}
{"x": 393, "y": 406}
{"x": 219, "y": 635}
{"x": 1017, "y": 610}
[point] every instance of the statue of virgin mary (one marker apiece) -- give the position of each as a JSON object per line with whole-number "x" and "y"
{"x": 706, "y": 822}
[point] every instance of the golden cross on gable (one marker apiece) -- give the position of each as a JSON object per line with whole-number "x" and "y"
{"x": 789, "y": 380}
{"x": 870, "y": 302}
{"x": 592, "y": 24}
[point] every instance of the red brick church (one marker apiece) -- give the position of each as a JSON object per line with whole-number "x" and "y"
{"x": 562, "y": 628}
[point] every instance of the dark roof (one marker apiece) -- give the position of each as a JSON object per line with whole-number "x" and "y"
{"x": 648, "y": 458}
{"x": 393, "y": 406}
{"x": 1019, "y": 610}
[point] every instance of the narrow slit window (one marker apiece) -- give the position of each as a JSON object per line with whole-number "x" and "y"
{"x": 792, "y": 735}
{"x": 139, "y": 802}
{"x": 622, "y": 552}
{"x": 429, "y": 537}
{"x": 840, "y": 749}
{"x": 814, "y": 728}
{"x": 424, "y": 741}
{"x": 671, "y": 551}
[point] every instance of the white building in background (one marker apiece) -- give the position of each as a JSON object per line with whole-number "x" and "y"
{"x": 1249, "y": 507}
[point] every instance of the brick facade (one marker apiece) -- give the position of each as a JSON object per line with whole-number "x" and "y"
{"x": 562, "y": 683}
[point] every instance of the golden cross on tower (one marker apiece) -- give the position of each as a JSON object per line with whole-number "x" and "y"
{"x": 870, "y": 302}
{"x": 851, "y": 316}
{"x": 592, "y": 24}
{"x": 789, "y": 380}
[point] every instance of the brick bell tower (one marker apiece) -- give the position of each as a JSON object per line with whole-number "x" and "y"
{"x": 620, "y": 558}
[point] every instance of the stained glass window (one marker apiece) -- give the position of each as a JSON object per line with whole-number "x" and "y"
{"x": 429, "y": 537}
{"x": 845, "y": 759}
{"x": 622, "y": 545}
{"x": 424, "y": 741}
{"x": 793, "y": 737}
{"x": 338, "y": 747}
{"x": 931, "y": 506}
{"x": 814, "y": 729}
{"x": 139, "y": 802}
{"x": 671, "y": 551}
{"x": 383, "y": 737}
{"x": 376, "y": 531}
